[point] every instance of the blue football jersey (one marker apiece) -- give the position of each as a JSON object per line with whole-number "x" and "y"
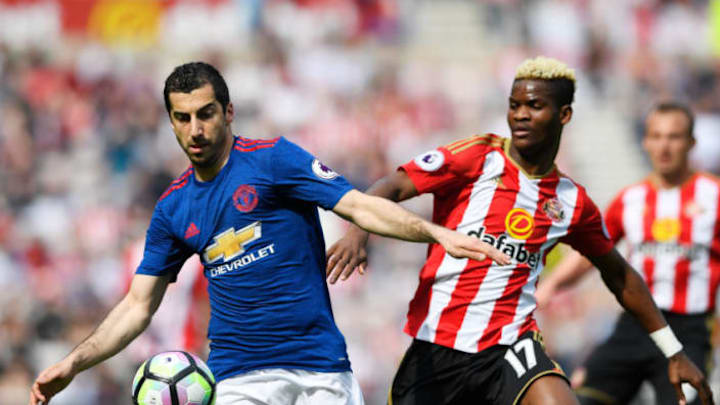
{"x": 257, "y": 231}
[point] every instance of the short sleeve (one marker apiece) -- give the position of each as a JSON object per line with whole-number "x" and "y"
{"x": 436, "y": 170}
{"x": 588, "y": 234}
{"x": 163, "y": 254}
{"x": 300, "y": 175}
{"x": 613, "y": 219}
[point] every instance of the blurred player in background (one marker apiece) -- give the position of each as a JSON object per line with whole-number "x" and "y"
{"x": 249, "y": 209}
{"x": 475, "y": 337}
{"x": 671, "y": 224}
{"x": 181, "y": 322}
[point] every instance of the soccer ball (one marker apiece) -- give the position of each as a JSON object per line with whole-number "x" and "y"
{"x": 173, "y": 378}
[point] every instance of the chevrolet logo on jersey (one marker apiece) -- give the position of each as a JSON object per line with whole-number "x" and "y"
{"x": 231, "y": 243}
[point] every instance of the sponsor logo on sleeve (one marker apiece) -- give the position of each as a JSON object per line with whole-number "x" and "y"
{"x": 430, "y": 161}
{"x": 323, "y": 171}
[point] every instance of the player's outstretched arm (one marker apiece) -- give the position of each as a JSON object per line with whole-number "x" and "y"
{"x": 633, "y": 294}
{"x": 124, "y": 322}
{"x": 568, "y": 272}
{"x": 348, "y": 254}
{"x": 386, "y": 218}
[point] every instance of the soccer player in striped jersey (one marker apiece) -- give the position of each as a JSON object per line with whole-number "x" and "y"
{"x": 671, "y": 224}
{"x": 475, "y": 337}
{"x": 248, "y": 208}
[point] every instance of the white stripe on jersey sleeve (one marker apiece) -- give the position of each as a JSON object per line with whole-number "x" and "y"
{"x": 703, "y": 226}
{"x": 667, "y": 206}
{"x": 450, "y": 268}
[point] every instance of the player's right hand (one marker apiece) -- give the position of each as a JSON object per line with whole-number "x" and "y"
{"x": 681, "y": 369}
{"x": 51, "y": 381}
{"x": 347, "y": 255}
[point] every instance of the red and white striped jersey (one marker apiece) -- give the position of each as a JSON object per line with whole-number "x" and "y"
{"x": 469, "y": 305}
{"x": 673, "y": 240}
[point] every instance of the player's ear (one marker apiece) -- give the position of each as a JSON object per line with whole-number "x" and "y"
{"x": 566, "y": 112}
{"x": 229, "y": 112}
{"x": 173, "y": 123}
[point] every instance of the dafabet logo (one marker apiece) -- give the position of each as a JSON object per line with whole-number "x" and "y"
{"x": 519, "y": 224}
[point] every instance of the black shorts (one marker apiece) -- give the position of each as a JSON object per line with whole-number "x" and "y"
{"x": 616, "y": 369}
{"x": 431, "y": 374}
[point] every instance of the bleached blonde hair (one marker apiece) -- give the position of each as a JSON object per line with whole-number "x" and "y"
{"x": 544, "y": 68}
{"x": 559, "y": 76}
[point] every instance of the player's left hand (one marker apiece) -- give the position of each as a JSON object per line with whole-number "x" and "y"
{"x": 51, "y": 381}
{"x": 681, "y": 369}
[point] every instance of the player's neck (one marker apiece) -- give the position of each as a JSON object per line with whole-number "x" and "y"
{"x": 538, "y": 164}
{"x": 670, "y": 180}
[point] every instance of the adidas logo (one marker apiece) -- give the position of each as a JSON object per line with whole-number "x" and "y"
{"x": 191, "y": 231}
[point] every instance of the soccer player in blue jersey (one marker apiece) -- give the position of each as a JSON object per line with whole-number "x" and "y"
{"x": 249, "y": 209}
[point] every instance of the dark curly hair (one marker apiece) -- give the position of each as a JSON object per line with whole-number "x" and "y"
{"x": 190, "y": 76}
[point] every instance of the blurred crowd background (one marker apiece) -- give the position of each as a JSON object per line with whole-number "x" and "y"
{"x": 86, "y": 147}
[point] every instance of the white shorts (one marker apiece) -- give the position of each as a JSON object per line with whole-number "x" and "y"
{"x": 276, "y": 386}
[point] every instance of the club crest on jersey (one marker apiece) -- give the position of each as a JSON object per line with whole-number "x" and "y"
{"x": 665, "y": 229}
{"x": 231, "y": 243}
{"x": 323, "y": 171}
{"x": 693, "y": 209}
{"x": 519, "y": 223}
{"x": 245, "y": 198}
{"x": 554, "y": 210}
{"x": 430, "y": 161}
